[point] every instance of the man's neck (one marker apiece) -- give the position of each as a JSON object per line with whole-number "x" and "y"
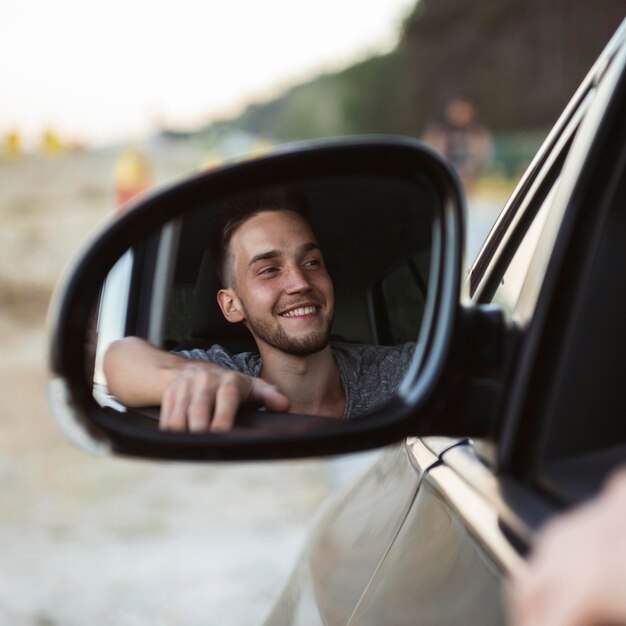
{"x": 312, "y": 383}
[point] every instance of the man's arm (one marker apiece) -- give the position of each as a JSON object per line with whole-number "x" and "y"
{"x": 193, "y": 395}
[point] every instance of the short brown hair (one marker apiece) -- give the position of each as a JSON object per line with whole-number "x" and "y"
{"x": 240, "y": 208}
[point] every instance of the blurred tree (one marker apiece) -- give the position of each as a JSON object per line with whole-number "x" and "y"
{"x": 518, "y": 60}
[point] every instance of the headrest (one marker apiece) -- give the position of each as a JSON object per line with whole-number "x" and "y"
{"x": 208, "y": 323}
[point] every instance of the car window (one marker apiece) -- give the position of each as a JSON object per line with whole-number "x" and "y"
{"x": 564, "y": 427}
{"x": 516, "y": 274}
{"x": 404, "y": 294}
{"x": 508, "y": 252}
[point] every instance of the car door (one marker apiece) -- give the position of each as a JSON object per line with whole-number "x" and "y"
{"x": 554, "y": 266}
{"x": 445, "y": 563}
{"x": 459, "y": 515}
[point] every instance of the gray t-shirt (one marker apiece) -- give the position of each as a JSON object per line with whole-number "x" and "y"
{"x": 370, "y": 375}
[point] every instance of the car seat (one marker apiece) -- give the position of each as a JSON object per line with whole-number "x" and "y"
{"x": 208, "y": 324}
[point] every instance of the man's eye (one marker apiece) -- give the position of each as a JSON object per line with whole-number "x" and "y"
{"x": 312, "y": 263}
{"x": 268, "y": 270}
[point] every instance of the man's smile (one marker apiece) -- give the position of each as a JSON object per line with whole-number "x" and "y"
{"x": 301, "y": 311}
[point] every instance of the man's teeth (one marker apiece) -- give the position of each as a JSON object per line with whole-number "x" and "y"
{"x": 305, "y": 310}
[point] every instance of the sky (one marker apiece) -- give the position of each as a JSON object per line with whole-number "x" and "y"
{"x": 103, "y": 72}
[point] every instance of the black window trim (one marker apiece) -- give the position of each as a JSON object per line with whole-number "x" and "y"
{"x": 584, "y": 176}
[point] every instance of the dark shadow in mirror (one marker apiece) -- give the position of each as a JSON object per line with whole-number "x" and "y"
{"x": 324, "y": 288}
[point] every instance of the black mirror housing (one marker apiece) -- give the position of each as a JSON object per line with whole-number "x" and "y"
{"x": 103, "y": 429}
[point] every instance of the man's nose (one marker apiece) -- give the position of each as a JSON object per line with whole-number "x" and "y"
{"x": 297, "y": 280}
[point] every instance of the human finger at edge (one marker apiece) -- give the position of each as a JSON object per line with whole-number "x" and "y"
{"x": 228, "y": 399}
{"x": 176, "y": 418}
{"x": 269, "y": 396}
{"x": 201, "y": 407}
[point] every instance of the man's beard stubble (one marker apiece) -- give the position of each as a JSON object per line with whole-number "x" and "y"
{"x": 276, "y": 337}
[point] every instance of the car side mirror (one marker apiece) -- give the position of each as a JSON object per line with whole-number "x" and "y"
{"x": 387, "y": 214}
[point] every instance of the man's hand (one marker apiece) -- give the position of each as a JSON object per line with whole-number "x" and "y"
{"x": 205, "y": 397}
{"x": 577, "y": 570}
{"x": 194, "y": 396}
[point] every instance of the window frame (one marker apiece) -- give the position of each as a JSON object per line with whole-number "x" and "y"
{"x": 578, "y": 210}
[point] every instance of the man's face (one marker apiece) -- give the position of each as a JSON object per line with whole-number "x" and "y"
{"x": 281, "y": 283}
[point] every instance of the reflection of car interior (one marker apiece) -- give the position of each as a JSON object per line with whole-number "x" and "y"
{"x": 377, "y": 249}
{"x": 376, "y": 239}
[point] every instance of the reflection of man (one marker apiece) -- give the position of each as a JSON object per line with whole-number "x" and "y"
{"x": 577, "y": 569}
{"x": 276, "y": 283}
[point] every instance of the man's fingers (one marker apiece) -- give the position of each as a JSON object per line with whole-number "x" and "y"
{"x": 202, "y": 402}
{"x": 269, "y": 396}
{"x": 177, "y": 399}
{"x": 199, "y": 400}
{"x": 231, "y": 393}
{"x": 188, "y": 402}
{"x": 167, "y": 403}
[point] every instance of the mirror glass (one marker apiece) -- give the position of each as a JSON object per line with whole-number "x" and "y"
{"x": 373, "y": 267}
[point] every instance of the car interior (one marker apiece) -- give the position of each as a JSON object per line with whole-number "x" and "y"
{"x": 375, "y": 235}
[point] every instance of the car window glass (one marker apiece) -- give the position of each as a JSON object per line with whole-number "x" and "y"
{"x": 404, "y": 293}
{"x": 512, "y": 282}
{"x": 111, "y": 314}
{"x": 522, "y": 210}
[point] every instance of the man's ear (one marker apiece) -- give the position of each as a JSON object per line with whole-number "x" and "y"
{"x": 231, "y": 305}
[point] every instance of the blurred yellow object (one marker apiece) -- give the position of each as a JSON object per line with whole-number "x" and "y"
{"x": 211, "y": 160}
{"x": 133, "y": 175}
{"x": 51, "y": 144}
{"x": 494, "y": 186}
{"x": 12, "y": 145}
{"x": 261, "y": 146}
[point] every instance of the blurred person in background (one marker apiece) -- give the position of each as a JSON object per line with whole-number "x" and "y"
{"x": 577, "y": 571}
{"x": 461, "y": 138}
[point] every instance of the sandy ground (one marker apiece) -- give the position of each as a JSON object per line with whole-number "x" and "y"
{"x": 97, "y": 541}
{"x": 107, "y": 541}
